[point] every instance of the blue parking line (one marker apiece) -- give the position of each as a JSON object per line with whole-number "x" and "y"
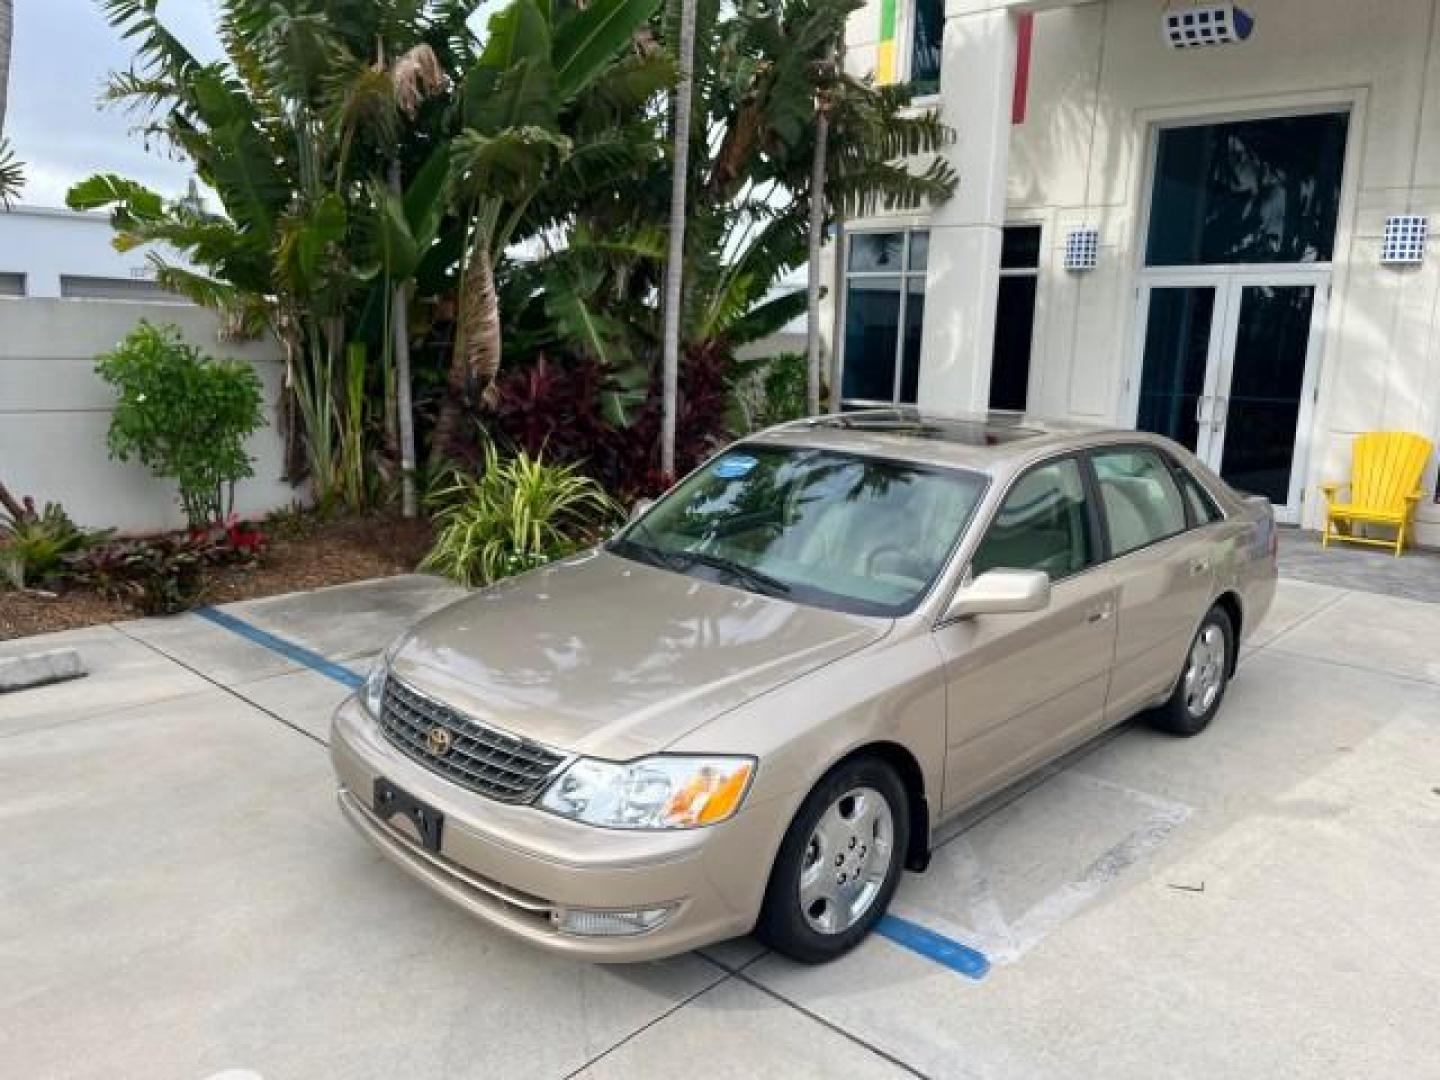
{"x": 937, "y": 947}
{"x": 288, "y": 649}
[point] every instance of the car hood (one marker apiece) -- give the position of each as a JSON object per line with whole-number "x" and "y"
{"x": 604, "y": 656}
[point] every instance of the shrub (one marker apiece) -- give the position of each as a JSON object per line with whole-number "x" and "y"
{"x": 33, "y": 546}
{"x": 519, "y": 513}
{"x": 158, "y": 576}
{"x": 183, "y": 415}
{"x": 161, "y": 575}
{"x": 572, "y": 413}
{"x": 772, "y": 391}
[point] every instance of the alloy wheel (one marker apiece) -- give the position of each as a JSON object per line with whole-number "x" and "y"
{"x": 1205, "y": 672}
{"x": 847, "y": 860}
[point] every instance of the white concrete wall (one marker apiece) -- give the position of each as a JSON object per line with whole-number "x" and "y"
{"x": 1102, "y": 79}
{"x": 54, "y": 413}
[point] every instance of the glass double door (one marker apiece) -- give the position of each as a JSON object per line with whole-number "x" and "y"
{"x": 1227, "y": 368}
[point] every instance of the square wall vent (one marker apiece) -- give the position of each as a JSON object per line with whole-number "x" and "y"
{"x": 1404, "y": 242}
{"x": 1206, "y": 24}
{"x": 1082, "y": 249}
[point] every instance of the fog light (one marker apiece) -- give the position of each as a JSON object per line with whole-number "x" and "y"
{"x": 584, "y": 923}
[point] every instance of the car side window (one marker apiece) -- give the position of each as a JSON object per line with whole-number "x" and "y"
{"x": 1202, "y": 506}
{"x": 1139, "y": 497}
{"x": 1041, "y": 525}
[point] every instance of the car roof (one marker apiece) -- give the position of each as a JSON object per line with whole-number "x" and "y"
{"x": 992, "y": 442}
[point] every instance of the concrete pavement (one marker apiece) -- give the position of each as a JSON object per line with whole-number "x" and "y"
{"x": 178, "y": 896}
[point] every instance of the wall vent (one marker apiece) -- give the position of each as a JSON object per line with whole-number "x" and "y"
{"x": 1206, "y": 24}
{"x": 1082, "y": 249}
{"x": 1404, "y": 241}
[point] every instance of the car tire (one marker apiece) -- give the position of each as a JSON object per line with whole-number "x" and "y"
{"x": 827, "y": 888}
{"x": 1203, "y": 680}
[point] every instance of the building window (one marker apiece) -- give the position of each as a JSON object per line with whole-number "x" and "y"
{"x": 884, "y": 315}
{"x": 927, "y": 28}
{"x": 142, "y": 290}
{"x": 12, "y": 284}
{"x": 1015, "y": 317}
{"x": 1252, "y": 191}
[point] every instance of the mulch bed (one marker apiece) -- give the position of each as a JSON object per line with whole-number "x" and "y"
{"x": 306, "y": 553}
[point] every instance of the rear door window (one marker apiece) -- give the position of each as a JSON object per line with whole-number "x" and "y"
{"x": 1141, "y": 502}
{"x": 1202, "y": 507}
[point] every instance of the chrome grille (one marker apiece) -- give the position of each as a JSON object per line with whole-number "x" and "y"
{"x": 487, "y": 761}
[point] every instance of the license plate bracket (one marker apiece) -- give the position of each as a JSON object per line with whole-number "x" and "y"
{"x": 425, "y": 821}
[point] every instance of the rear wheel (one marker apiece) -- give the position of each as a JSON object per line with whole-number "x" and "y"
{"x": 838, "y": 864}
{"x": 1203, "y": 681}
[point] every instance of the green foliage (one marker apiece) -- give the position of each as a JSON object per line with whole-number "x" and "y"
{"x": 519, "y": 513}
{"x": 34, "y": 545}
{"x": 184, "y": 416}
{"x": 770, "y": 391}
{"x": 12, "y": 174}
{"x": 353, "y": 151}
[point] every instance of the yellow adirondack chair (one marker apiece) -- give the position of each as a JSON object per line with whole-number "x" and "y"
{"x": 1384, "y": 488}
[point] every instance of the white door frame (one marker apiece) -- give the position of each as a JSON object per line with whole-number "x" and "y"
{"x": 1229, "y": 281}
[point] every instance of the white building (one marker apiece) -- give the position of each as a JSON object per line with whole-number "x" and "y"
{"x": 66, "y": 295}
{"x": 59, "y": 253}
{"x": 1241, "y": 298}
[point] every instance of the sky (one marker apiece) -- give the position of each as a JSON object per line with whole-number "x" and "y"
{"x": 63, "y": 51}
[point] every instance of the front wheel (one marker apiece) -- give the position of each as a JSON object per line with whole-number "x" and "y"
{"x": 1202, "y": 684}
{"x": 839, "y": 863}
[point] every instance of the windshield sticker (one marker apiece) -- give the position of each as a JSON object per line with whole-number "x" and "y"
{"x": 734, "y": 466}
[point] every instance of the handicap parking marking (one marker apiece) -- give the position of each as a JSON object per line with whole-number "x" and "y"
{"x": 972, "y": 911}
{"x": 288, "y": 649}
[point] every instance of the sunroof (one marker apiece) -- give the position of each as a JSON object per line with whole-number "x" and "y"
{"x": 994, "y": 431}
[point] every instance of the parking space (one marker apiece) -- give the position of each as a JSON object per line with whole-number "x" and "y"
{"x": 179, "y": 896}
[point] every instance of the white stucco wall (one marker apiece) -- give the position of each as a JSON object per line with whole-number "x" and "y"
{"x": 1102, "y": 80}
{"x": 54, "y": 413}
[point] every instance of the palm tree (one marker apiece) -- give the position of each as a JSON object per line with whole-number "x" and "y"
{"x": 12, "y": 175}
{"x": 816, "y": 237}
{"x": 675, "y": 259}
{"x": 7, "y": 30}
{"x": 539, "y": 61}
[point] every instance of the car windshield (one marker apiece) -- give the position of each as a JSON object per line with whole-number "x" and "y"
{"x": 857, "y": 534}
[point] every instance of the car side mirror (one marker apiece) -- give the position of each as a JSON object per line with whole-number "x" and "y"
{"x": 639, "y": 508}
{"x": 1001, "y": 592}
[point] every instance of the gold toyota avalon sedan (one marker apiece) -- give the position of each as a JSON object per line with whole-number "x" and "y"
{"x": 753, "y": 707}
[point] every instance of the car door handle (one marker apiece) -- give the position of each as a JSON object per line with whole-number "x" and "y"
{"x": 1199, "y": 566}
{"x": 1100, "y": 613}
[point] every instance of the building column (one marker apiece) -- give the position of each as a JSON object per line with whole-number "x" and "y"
{"x": 963, "y": 277}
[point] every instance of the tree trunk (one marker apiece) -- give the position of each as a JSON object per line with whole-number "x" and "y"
{"x": 405, "y": 415}
{"x": 400, "y": 315}
{"x": 812, "y": 270}
{"x": 476, "y": 359}
{"x": 7, "y": 26}
{"x": 675, "y": 259}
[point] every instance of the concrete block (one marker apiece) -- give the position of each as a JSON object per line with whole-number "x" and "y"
{"x": 37, "y": 669}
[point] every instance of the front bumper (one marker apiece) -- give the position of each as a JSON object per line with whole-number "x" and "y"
{"x": 515, "y": 866}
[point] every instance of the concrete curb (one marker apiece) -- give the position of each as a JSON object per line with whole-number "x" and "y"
{"x": 38, "y": 669}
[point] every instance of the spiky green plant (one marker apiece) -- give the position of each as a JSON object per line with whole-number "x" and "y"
{"x": 519, "y": 513}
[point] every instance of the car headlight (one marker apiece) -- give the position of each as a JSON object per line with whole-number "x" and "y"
{"x": 665, "y": 792}
{"x": 372, "y": 690}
